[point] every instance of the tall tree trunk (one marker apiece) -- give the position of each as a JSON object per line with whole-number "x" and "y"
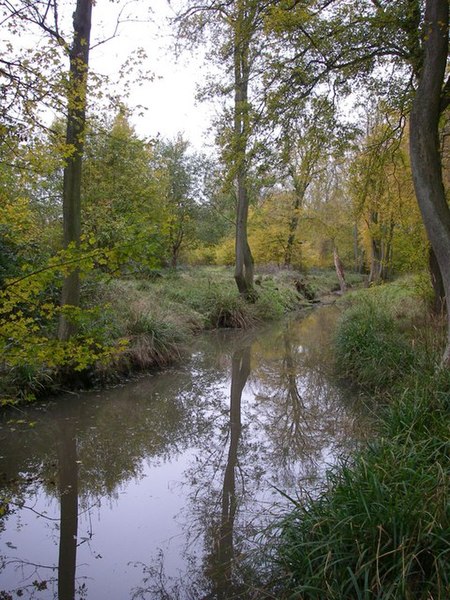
{"x": 424, "y": 143}
{"x": 244, "y": 266}
{"x": 75, "y": 132}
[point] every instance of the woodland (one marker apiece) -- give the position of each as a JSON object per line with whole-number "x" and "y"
{"x": 331, "y": 162}
{"x": 331, "y": 149}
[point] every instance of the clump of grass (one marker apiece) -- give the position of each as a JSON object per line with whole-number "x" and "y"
{"x": 155, "y": 332}
{"x": 225, "y": 308}
{"x": 381, "y": 527}
{"x": 153, "y": 342}
{"x": 371, "y": 350}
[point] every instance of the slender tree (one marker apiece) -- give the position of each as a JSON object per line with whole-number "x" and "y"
{"x": 236, "y": 34}
{"x": 75, "y": 134}
{"x": 243, "y": 29}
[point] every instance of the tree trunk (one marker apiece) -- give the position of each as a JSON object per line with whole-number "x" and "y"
{"x": 376, "y": 261}
{"x": 75, "y": 131}
{"x": 244, "y": 269}
{"x": 424, "y": 143}
{"x": 438, "y": 304}
{"x": 244, "y": 266}
{"x": 300, "y": 191}
{"x": 356, "y": 251}
{"x": 387, "y": 253}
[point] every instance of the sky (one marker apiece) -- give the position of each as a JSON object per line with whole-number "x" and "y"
{"x": 169, "y": 98}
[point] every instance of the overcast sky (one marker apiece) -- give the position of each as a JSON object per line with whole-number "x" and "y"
{"x": 170, "y": 97}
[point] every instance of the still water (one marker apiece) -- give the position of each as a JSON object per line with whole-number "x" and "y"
{"x": 160, "y": 488}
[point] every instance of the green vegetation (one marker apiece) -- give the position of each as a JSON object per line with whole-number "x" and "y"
{"x": 374, "y": 342}
{"x": 134, "y": 324}
{"x": 380, "y": 527}
{"x": 101, "y": 228}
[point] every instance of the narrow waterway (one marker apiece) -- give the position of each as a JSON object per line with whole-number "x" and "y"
{"x": 160, "y": 488}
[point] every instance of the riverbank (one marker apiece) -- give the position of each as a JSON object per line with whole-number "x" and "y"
{"x": 129, "y": 325}
{"x": 380, "y": 528}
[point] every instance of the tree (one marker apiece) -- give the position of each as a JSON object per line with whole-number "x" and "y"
{"x": 431, "y": 99}
{"x": 380, "y": 186}
{"x": 309, "y": 137}
{"x": 122, "y": 193}
{"x": 177, "y": 171}
{"x": 236, "y": 32}
{"x": 75, "y": 135}
{"x": 243, "y": 24}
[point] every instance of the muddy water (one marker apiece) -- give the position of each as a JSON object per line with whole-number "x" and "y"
{"x": 160, "y": 488}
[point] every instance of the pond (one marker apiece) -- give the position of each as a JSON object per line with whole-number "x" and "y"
{"x": 160, "y": 487}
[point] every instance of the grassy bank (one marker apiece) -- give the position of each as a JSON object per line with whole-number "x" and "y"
{"x": 135, "y": 324}
{"x": 381, "y": 526}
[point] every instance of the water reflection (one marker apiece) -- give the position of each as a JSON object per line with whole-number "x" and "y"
{"x": 158, "y": 489}
{"x": 67, "y": 462}
{"x": 221, "y": 571}
{"x": 68, "y": 494}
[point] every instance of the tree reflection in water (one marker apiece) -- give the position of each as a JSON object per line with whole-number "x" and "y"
{"x": 68, "y": 493}
{"x": 279, "y": 434}
{"x": 220, "y": 569}
{"x": 78, "y": 452}
{"x": 252, "y": 414}
{"x": 307, "y": 419}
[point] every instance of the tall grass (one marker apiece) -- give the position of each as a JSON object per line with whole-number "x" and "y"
{"x": 380, "y": 528}
{"x": 386, "y": 334}
{"x": 370, "y": 349}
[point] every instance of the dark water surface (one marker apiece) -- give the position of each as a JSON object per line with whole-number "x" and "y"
{"x": 157, "y": 488}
